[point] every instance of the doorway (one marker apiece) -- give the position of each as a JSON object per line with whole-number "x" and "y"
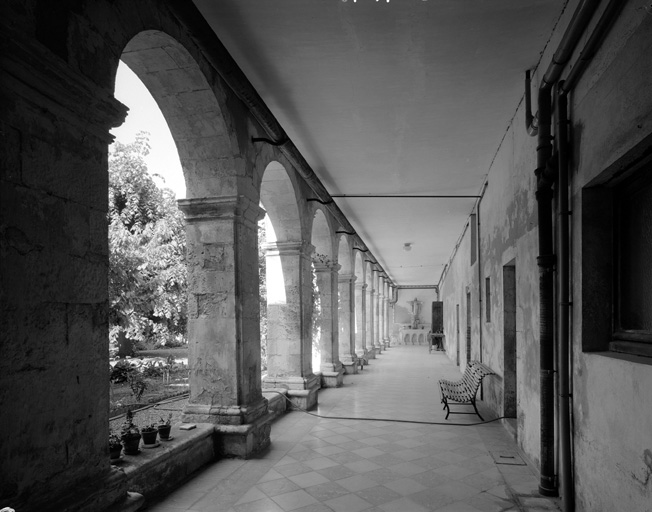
{"x": 509, "y": 340}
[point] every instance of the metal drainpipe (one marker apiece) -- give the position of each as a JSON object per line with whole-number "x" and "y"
{"x": 564, "y": 305}
{"x": 546, "y": 259}
{"x": 480, "y": 300}
{"x": 546, "y": 263}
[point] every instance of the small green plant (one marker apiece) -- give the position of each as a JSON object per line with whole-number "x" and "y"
{"x": 166, "y": 422}
{"x": 129, "y": 428}
{"x": 115, "y": 441}
{"x": 152, "y": 427}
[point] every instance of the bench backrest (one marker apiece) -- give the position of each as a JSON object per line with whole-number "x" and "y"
{"x": 473, "y": 375}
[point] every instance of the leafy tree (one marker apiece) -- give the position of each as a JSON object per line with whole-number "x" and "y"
{"x": 147, "y": 271}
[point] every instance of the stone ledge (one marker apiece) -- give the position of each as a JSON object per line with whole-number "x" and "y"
{"x": 160, "y": 470}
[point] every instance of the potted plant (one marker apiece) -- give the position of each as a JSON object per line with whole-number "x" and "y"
{"x": 130, "y": 435}
{"x": 164, "y": 428}
{"x": 115, "y": 446}
{"x": 149, "y": 433}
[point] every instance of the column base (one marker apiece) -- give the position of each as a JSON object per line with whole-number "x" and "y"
{"x": 378, "y": 348}
{"x": 371, "y": 353}
{"x": 243, "y": 441}
{"x": 242, "y": 430}
{"x": 351, "y": 365}
{"x": 332, "y": 379}
{"x": 386, "y": 342}
{"x": 302, "y": 391}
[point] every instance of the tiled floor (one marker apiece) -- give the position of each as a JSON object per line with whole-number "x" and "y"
{"x": 348, "y": 465}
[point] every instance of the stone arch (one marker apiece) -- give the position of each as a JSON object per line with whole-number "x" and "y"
{"x": 207, "y": 146}
{"x": 345, "y": 254}
{"x": 279, "y": 199}
{"x": 325, "y": 266}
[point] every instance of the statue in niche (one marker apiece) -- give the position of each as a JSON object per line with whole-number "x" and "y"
{"x": 416, "y": 311}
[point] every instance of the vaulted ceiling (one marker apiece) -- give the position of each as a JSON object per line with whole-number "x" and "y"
{"x": 401, "y": 97}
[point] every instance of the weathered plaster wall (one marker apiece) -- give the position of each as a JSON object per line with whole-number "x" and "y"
{"x": 459, "y": 279}
{"x": 611, "y": 113}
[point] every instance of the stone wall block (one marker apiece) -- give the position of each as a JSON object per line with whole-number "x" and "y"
{"x": 10, "y": 161}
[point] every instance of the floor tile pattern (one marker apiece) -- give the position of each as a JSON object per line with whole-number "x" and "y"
{"x": 372, "y": 462}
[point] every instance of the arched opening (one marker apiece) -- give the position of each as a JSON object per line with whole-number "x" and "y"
{"x": 323, "y": 290}
{"x": 346, "y": 305}
{"x": 360, "y": 303}
{"x": 283, "y": 250}
{"x": 172, "y": 92}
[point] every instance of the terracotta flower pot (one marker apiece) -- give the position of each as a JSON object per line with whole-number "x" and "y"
{"x": 131, "y": 444}
{"x": 115, "y": 452}
{"x": 149, "y": 436}
{"x": 164, "y": 431}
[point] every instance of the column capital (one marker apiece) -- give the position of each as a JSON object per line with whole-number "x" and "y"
{"x": 301, "y": 247}
{"x": 206, "y": 208}
{"x": 347, "y": 277}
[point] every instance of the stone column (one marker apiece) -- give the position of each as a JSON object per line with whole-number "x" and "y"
{"x": 377, "y": 336}
{"x": 361, "y": 320}
{"x": 289, "y": 317}
{"x": 381, "y": 313}
{"x": 386, "y": 316}
{"x": 371, "y": 315}
{"x": 332, "y": 372}
{"x": 346, "y": 322}
{"x": 224, "y": 322}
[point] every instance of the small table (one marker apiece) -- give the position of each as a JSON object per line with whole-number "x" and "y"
{"x": 436, "y": 340}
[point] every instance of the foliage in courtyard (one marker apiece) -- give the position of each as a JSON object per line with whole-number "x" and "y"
{"x": 262, "y": 290}
{"x": 147, "y": 273}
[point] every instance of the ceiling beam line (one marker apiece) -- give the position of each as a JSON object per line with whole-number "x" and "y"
{"x": 393, "y": 196}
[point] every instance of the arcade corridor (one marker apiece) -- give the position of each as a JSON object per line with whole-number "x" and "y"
{"x": 321, "y": 465}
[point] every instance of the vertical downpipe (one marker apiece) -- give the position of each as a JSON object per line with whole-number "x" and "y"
{"x": 546, "y": 261}
{"x": 564, "y": 304}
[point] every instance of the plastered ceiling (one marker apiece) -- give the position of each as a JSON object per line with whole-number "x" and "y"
{"x": 406, "y": 97}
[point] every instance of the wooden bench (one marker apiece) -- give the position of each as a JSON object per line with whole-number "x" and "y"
{"x": 463, "y": 391}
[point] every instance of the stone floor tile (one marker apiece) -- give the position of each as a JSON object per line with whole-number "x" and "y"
{"x": 329, "y": 450}
{"x": 407, "y": 468}
{"x": 458, "y": 490}
{"x": 183, "y": 498}
{"x": 368, "y": 452}
{"x": 314, "y": 507}
{"x": 402, "y": 505}
{"x": 320, "y": 463}
{"x": 357, "y": 482}
{"x": 489, "y": 503}
{"x": 294, "y": 500}
{"x": 405, "y": 486}
{"x": 536, "y": 503}
{"x": 454, "y": 472}
{"x": 263, "y": 505}
{"x": 326, "y": 491}
{"x": 272, "y": 474}
{"x": 378, "y": 495}
{"x": 336, "y": 472}
{"x": 295, "y": 468}
{"x": 252, "y": 494}
{"x": 431, "y": 499}
{"x": 275, "y": 487}
{"x": 458, "y": 506}
{"x": 348, "y": 503}
{"x": 383, "y": 475}
{"x": 362, "y": 466}
{"x": 309, "y": 479}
